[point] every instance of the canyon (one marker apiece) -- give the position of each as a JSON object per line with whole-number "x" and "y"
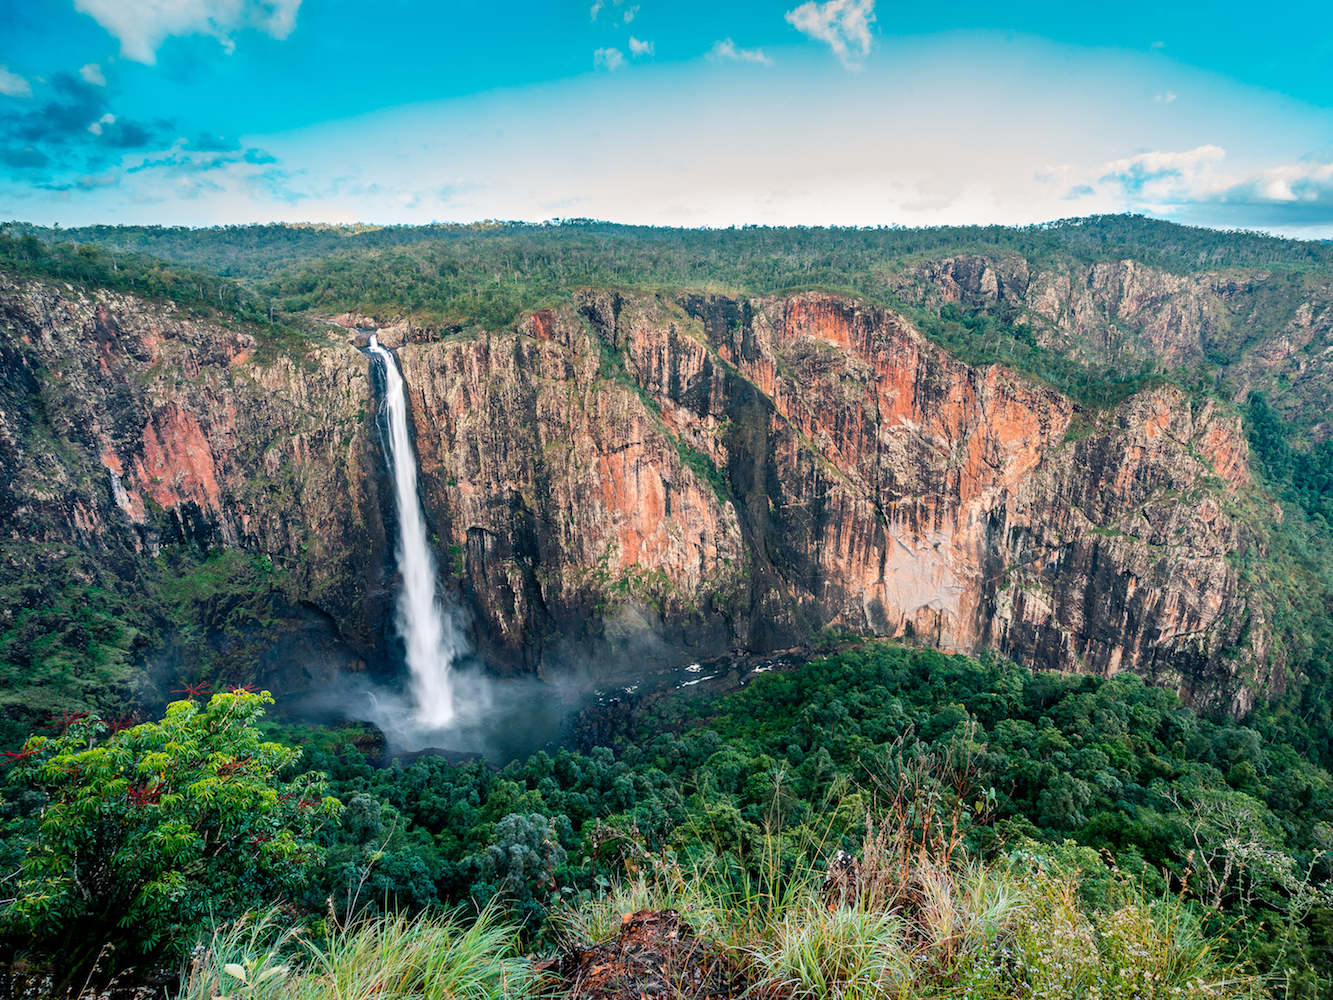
{"x": 628, "y": 482}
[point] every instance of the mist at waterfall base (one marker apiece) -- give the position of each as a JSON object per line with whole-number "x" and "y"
{"x": 447, "y": 701}
{"x": 500, "y": 719}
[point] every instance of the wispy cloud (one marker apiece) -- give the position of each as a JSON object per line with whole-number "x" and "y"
{"x": 1296, "y": 182}
{"x": 107, "y": 119}
{"x": 1194, "y": 182}
{"x": 1166, "y": 98}
{"x": 13, "y": 85}
{"x": 73, "y": 141}
{"x": 599, "y": 5}
{"x": 728, "y": 50}
{"x": 843, "y": 25}
{"x": 141, "y": 28}
{"x": 1298, "y": 195}
{"x": 608, "y": 59}
{"x": 92, "y": 73}
{"x": 638, "y": 48}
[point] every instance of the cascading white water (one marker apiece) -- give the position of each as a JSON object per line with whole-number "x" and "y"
{"x": 434, "y": 642}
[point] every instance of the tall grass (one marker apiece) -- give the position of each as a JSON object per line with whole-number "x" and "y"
{"x": 1012, "y": 930}
{"x": 914, "y": 916}
{"x": 378, "y": 959}
{"x": 1017, "y": 929}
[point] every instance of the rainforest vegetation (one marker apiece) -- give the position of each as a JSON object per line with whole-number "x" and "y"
{"x": 1143, "y": 811}
{"x": 456, "y": 277}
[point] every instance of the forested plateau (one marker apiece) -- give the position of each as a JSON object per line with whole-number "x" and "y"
{"x": 1037, "y": 521}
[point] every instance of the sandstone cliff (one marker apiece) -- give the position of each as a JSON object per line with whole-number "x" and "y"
{"x": 128, "y": 428}
{"x": 624, "y": 481}
{"x": 1254, "y": 329}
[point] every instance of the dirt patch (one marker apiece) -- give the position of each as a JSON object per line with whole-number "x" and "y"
{"x": 655, "y": 955}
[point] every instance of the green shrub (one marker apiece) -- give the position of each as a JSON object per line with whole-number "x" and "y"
{"x": 148, "y": 831}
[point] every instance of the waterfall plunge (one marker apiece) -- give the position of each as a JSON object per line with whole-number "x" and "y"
{"x": 434, "y": 643}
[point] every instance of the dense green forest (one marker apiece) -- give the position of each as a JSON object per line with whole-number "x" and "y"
{"x": 754, "y": 258}
{"x": 456, "y": 277}
{"x": 993, "y": 763}
{"x": 22, "y": 254}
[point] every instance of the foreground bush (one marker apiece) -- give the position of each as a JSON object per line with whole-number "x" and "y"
{"x": 144, "y": 834}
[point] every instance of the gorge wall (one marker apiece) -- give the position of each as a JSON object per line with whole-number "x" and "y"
{"x": 630, "y": 481}
{"x": 1268, "y": 330}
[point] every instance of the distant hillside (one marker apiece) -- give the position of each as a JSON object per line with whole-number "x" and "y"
{"x": 1097, "y": 308}
{"x": 255, "y": 251}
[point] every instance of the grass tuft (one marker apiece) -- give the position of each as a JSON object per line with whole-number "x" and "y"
{"x": 385, "y": 958}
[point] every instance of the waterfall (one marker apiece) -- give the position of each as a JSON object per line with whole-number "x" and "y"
{"x": 434, "y": 642}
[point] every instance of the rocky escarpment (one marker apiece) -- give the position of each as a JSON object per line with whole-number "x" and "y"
{"x": 128, "y": 428}
{"x": 629, "y": 481}
{"x": 1252, "y": 329}
{"x": 744, "y": 473}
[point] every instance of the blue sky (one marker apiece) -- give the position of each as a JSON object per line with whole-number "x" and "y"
{"x": 686, "y": 113}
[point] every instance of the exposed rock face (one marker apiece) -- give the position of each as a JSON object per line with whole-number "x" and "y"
{"x": 624, "y": 482}
{"x": 1269, "y": 331}
{"x": 126, "y": 427}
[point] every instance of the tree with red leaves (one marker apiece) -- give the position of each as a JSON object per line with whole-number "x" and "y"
{"x": 119, "y": 723}
{"x": 155, "y": 828}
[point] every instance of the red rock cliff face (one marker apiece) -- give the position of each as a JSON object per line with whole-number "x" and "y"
{"x": 127, "y": 426}
{"x": 577, "y": 529}
{"x": 1256, "y": 330}
{"x": 865, "y": 480}
{"x": 623, "y": 483}
{"x": 905, "y": 492}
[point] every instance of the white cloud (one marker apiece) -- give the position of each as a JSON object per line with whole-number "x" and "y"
{"x": 1166, "y": 98}
{"x": 1192, "y": 185}
{"x": 107, "y": 119}
{"x": 639, "y": 48}
{"x": 13, "y": 85}
{"x": 610, "y": 59}
{"x": 631, "y": 13}
{"x": 92, "y": 73}
{"x": 1294, "y": 182}
{"x": 597, "y": 6}
{"x": 844, "y": 25}
{"x": 726, "y": 49}
{"x": 143, "y": 26}
{"x": 1163, "y": 178}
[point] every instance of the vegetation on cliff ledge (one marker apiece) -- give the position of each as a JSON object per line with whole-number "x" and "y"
{"x": 451, "y": 277}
